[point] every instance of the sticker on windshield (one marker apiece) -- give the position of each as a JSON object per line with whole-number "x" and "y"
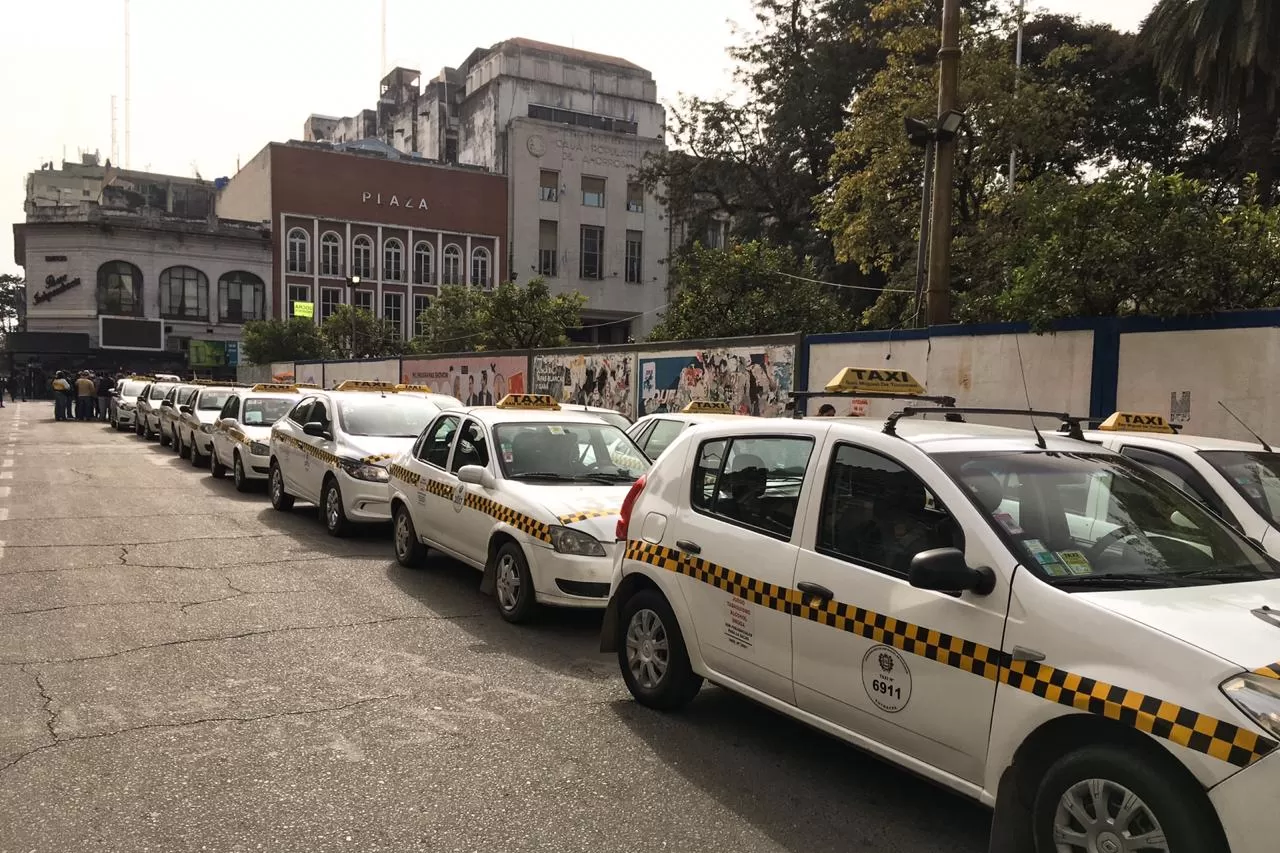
{"x": 555, "y": 429}
{"x": 1076, "y": 562}
{"x": 508, "y": 456}
{"x": 1007, "y": 522}
{"x": 1046, "y": 558}
{"x": 886, "y": 678}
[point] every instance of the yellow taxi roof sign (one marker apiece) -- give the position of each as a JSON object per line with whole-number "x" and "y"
{"x": 707, "y": 407}
{"x": 1136, "y": 422}
{"x": 854, "y": 380}
{"x": 140, "y": 377}
{"x": 529, "y": 401}
{"x": 421, "y": 389}
{"x": 306, "y": 385}
{"x": 276, "y": 387}
{"x": 365, "y": 385}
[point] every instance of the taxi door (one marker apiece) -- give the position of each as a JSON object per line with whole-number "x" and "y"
{"x": 909, "y": 668}
{"x": 470, "y": 528}
{"x": 222, "y": 441}
{"x": 435, "y": 515}
{"x": 311, "y": 470}
{"x": 288, "y": 456}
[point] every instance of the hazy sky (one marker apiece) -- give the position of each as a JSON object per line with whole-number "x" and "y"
{"x": 213, "y": 81}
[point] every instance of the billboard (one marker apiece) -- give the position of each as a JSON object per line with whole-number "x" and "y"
{"x": 206, "y": 353}
{"x": 477, "y": 380}
{"x": 595, "y": 379}
{"x": 130, "y": 333}
{"x": 752, "y": 380}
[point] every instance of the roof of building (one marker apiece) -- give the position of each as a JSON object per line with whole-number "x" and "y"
{"x": 570, "y": 52}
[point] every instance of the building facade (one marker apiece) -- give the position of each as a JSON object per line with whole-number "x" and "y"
{"x": 570, "y": 129}
{"x": 399, "y": 224}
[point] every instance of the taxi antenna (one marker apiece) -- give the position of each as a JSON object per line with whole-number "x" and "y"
{"x": 1264, "y": 444}
{"x": 1027, "y": 393}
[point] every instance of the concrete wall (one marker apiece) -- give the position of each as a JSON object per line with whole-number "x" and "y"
{"x": 469, "y": 375}
{"x": 591, "y": 379}
{"x": 247, "y": 195}
{"x": 309, "y": 372}
{"x": 826, "y": 360}
{"x": 253, "y": 373}
{"x": 387, "y": 370}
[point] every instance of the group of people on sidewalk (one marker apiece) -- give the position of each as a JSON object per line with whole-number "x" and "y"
{"x": 83, "y": 397}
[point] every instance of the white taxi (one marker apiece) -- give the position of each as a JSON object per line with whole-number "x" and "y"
{"x": 122, "y": 411}
{"x": 523, "y": 491}
{"x": 1032, "y": 621}
{"x": 171, "y": 410}
{"x": 333, "y": 449}
{"x": 196, "y": 421}
{"x": 147, "y": 415}
{"x": 242, "y": 432}
{"x": 1239, "y": 480}
{"x": 654, "y": 433}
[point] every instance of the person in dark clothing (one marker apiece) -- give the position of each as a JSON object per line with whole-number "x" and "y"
{"x": 105, "y": 383}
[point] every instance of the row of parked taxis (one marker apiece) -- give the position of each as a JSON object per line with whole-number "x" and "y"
{"x": 1079, "y": 628}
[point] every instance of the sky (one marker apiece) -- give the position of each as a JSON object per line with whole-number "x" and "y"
{"x": 214, "y": 82}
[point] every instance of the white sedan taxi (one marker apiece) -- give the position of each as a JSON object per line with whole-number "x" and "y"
{"x": 1033, "y": 621}
{"x": 147, "y": 415}
{"x": 654, "y": 433}
{"x": 196, "y": 421}
{"x": 242, "y": 432}
{"x": 523, "y": 491}
{"x": 170, "y": 412}
{"x": 122, "y": 411}
{"x": 333, "y": 448}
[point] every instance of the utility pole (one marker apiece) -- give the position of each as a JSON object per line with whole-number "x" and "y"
{"x": 1017, "y": 79}
{"x": 939, "y": 297}
{"x": 128, "y": 100}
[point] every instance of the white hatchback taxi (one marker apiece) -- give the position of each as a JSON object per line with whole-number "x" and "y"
{"x": 524, "y": 491}
{"x": 1033, "y": 621}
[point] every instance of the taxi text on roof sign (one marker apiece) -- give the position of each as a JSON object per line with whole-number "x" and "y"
{"x": 856, "y": 380}
{"x": 275, "y": 386}
{"x": 422, "y": 389}
{"x": 1136, "y": 422}
{"x": 365, "y": 385}
{"x": 529, "y": 401}
{"x": 707, "y": 407}
{"x": 138, "y": 377}
{"x": 306, "y": 385}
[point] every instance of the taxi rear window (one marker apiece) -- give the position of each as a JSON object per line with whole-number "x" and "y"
{"x": 754, "y": 482}
{"x": 159, "y": 390}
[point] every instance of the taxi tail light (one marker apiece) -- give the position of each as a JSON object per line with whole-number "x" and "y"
{"x": 624, "y": 515}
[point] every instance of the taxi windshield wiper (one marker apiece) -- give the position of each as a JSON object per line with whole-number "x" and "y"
{"x": 1227, "y": 573}
{"x": 540, "y": 475}
{"x": 606, "y": 477}
{"x": 1116, "y": 580}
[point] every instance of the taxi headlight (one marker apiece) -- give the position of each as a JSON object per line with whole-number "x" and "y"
{"x": 568, "y": 541}
{"x": 207, "y": 429}
{"x": 1258, "y": 698}
{"x": 368, "y": 473}
{"x": 257, "y": 448}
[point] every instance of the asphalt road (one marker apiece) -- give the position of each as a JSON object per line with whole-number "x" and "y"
{"x": 184, "y": 669}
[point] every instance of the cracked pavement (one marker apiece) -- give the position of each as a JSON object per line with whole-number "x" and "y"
{"x": 184, "y": 669}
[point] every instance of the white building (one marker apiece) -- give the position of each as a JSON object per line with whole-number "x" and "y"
{"x": 569, "y": 128}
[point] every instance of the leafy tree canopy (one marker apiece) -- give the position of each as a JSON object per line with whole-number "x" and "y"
{"x": 373, "y": 338}
{"x": 513, "y": 316}
{"x": 294, "y": 339}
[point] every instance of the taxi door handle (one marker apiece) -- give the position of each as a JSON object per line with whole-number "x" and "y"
{"x": 816, "y": 589}
{"x": 688, "y": 547}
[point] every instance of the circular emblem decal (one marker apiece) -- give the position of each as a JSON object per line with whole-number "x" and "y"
{"x": 459, "y": 497}
{"x": 537, "y": 146}
{"x": 886, "y": 678}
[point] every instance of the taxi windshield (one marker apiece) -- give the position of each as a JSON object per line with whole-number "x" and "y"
{"x": 212, "y": 401}
{"x": 391, "y": 416}
{"x": 160, "y": 389}
{"x": 569, "y": 452}
{"x": 1255, "y": 474}
{"x": 132, "y": 388}
{"x": 1084, "y": 521}
{"x": 264, "y": 411}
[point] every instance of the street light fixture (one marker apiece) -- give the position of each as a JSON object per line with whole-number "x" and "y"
{"x": 353, "y": 282}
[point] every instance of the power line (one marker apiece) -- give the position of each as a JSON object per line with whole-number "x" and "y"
{"x": 847, "y": 286}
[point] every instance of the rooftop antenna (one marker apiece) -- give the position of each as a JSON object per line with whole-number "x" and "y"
{"x": 128, "y": 141}
{"x": 1026, "y": 391}
{"x": 1265, "y": 446}
{"x": 115, "y": 145}
{"x": 383, "y": 69}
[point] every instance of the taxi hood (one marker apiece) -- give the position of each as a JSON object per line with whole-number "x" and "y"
{"x": 590, "y": 508}
{"x": 1239, "y": 622}
{"x": 377, "y": 449}
{"x": 208, "y": 416}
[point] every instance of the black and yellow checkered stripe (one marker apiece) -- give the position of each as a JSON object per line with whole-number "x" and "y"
{"x": 1271, "y": 670}
{"x": 573, "y": 517}
{"x": 324, "y": 456}
{"x": 1183, "y": 726}
{"x": 404, "y": 475}
{"x": 525, "y": 523}
{"x": 377, "y": 457}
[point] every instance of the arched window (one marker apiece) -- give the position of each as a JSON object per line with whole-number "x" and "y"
{"x": 480, "y": 267}
{"x": 120, "y": 289}
{"x": 184, "y": 293}
{"x": 241, "y": 297}
{"x": 451, "y": 268}
{"x": 393, "y": 260}
{"x": 299, "y": 259}
{"x": 362, "y": 257}
{"x": 423, "y": 263}
{"x": 330, "y": 254}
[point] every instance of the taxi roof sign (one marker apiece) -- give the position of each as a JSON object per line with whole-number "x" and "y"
{"x": 140, "y": 377}
{"x": 529, "y": 401}
{"x": 365, "y": 385}
{"x": 421, "y": 389}
{"x": 1136, "y": 422}
{"x": 277, "y": 387}
{"x": 853, "y": 380}
{"x": 707, "y": 407}
{"x": 306, "y": 385}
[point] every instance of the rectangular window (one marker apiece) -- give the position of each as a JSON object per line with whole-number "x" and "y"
{"x": 421, "y": 302}
{"x": 548, "y": 247}
{"x": 635, "y": 246}
{"x": 298, "y": 293}
{"x": 753, "y": 483}
{"x": 363, "y": 300}
{"x": 549, "y": 185}
{"x": 591, "y": 260}
{"x": 635, "y": 197}
{"x": 715, "y": 235}
{"x": 241, "y": 299}
{"x": 330, "y": 255}
{"x": 612, "y": 125}
{"x": 393, "y": 311}
{"x": 330, "y": 299}
{"x": 592, "y": 192}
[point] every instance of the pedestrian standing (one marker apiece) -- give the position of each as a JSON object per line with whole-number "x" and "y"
{"x": 61, "y": 397}
{"x": 105, "y": 383}
{"x": 3, "y": 382}
{"x": 85, "y": 393}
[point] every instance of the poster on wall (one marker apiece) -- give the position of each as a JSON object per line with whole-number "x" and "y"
{"x": 752, "y": 381}
{"x": 282, "y": 371}
{"x": 475, "y": 380}
{"x": 383, "y": 370}
{"x": 602, "y": 379}
{"x": 309, "y": 374}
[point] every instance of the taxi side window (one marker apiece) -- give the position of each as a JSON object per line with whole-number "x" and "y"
{"x": 660, "y": 437}
{"x": 191, "y": 397}
{"x": 302, "y": 411}
{"x": 472, "y": 448}
{"x": 880, "y": 515}
{"x": 319, "y": 413}
{"x": 231, "y": 408}
{"x": 1180, "y": 474}
{"x": 434, "y": 449}
{"x": 752, "y": 482}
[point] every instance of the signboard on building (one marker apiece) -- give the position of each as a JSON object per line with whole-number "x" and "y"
{"x": 232, "y": 349}
{"x": 206, "y": 353}
{"x": 130, "y": 333}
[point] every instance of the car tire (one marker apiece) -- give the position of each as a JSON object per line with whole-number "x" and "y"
{"x": 165, "y": 438}
{"x": 410, "y": 552}
{"x": 216, "y": 468}
{"x": 648, "y": 628}
{"x": 513, "y": 585}
{"x": 281, "y": 500}
{"x": 1167, "y": 802}
{"x": 198, "y": 459}
{"x": 184, "y": 449}
{"x": 332, "y": 512}
{"x": 238, "y": 475}
{"x": 137, "y": 428}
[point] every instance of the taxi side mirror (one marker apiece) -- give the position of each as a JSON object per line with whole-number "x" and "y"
{"x": 168, "y": 403}
{"x": 945, "y": 570}
{"x": 316, "y": 429}
{"x": 477, "y": 475}
{"x": 228, "y": 422}
{"x": 186, "y": 410}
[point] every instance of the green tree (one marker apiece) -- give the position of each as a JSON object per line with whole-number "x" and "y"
{"x": 529, "y": 316}
{"x": 13, "y": 302}
{"x": 453, "y": 322}
{"x": 1225, "y": 56}
{"x": 747, "y": 289}
{"x": 294, "y": 339}
{"x": 354, "y": 332}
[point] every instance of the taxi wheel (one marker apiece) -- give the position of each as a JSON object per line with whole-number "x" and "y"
{"x": 652, "y": 655}
{"x": 216, "y": 468}
{"x": 513, "y": 585}
{"x": 280, "y": 499}
{"x": 238, "y": 475}
{"x": 1104, "y": 797}
{"x": 165, "y": 438}
{"x": 410, "y": 552}
{"x": 198, "y": 459}
{"x": 332, "y": 512}
{"x": 184, "y": 449}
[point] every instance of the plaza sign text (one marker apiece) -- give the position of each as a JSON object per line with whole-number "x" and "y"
{"x": 394, "y": 201}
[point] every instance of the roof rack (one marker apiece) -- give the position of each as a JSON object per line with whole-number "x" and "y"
{"x": 1071, "y": 426}
{"x": 1075, "y": 421}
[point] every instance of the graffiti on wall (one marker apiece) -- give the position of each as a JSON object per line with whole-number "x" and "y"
{"x": 752, "y": 382}
{"x": 601, "y": 380}
{"x": 1179, "y": 407}
{"x": 476, "y": 380}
